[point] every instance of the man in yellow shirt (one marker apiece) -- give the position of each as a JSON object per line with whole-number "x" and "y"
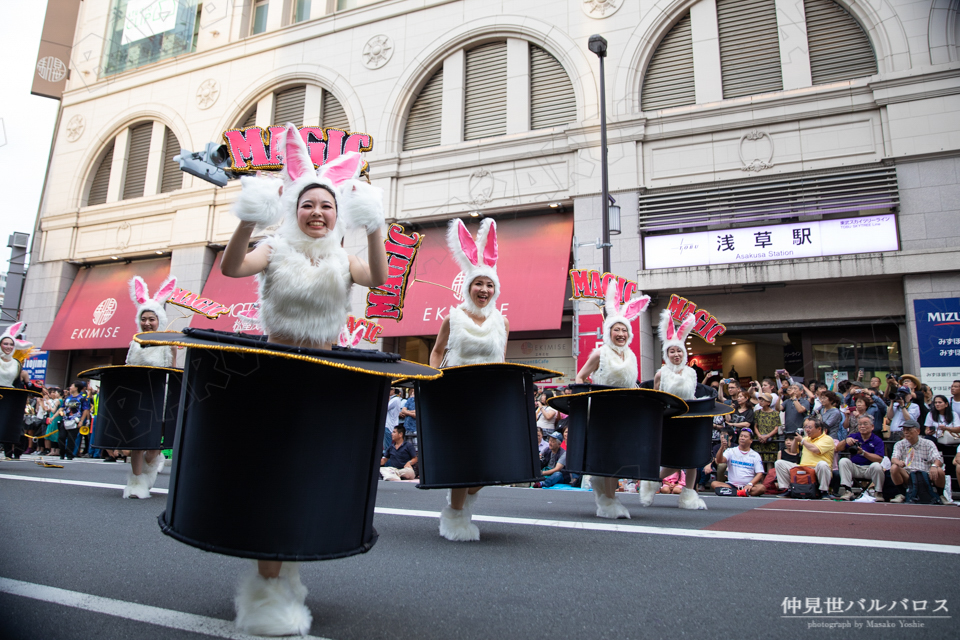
{"x": 816, "y": 451}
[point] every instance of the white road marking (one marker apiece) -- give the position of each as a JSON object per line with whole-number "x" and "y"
{"x": 853, "y": 513}
{"x": 128, "y": 610}
{"x": 615, "y": 527}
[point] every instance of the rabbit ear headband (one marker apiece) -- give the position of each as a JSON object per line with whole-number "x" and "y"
{"x": 670, "y": 337}
{"x": 358, "y": 204}
{"x": 348, "y": 339}
{"x": 141, "y": 297}
{"x": 12, "y": 332}
{"x": 475, "y": 258}
{"x": 624, "y": 315}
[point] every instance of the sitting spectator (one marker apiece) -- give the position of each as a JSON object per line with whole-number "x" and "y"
{"x": 744, "y": 466}
{"x": 713, "y": 471}
{"x": 790, "y": 451}
{"x": 830, "y": 414}
{"x": 555, "y": 472}
{"x": 674, "y": 483}
{"x": 816, "y": 452}
{"x": 544, "y": 447}
{"x": 795, "y": 408}
{"x": 916, "y": 460}
{"x": 400, "y": 458}
{"x": 866, "y": 454}
{"x": 943, "y": 425}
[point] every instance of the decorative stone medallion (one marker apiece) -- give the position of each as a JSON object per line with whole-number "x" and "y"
{"x": 207, "y": 93}
{"x": 75, "y": 127}
{"x": 757, "y": 147}
{"x": 599, "y": 9}
{"x": 481, "y": 187}
{"x": 377, "y": 52}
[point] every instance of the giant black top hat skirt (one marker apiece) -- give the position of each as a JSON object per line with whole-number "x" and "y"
{"x": 12, "y": 404}
{"x": 137, "y": 412}
{"x": 477, "y": 426}
{"x": 616, "y": 432}
{"x": 688, "y": 438}
{"x": 242, "y": 394}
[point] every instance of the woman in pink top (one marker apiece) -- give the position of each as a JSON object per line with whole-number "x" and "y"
{"x": 674, "y": 483}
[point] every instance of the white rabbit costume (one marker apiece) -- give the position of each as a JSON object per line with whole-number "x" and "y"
{"x": 138, "y": 354}
{"x": 618, "y": 365}
{"x": 304, "y": 297}
{"x": 470, "y": 343}
{"x": 305, "y": 290}
{"x": 679, "y": 380}
{"x": 10, "y": 367}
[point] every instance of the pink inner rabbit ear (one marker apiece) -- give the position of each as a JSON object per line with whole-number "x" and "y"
{"x": 357, "y": 335}
{"x": 635, "y": 307}
{"x": 139, "y": 289}
{"x": 345, "y": 167}
{"x": 686, "y": 326}
{"x": 166, "y": 290}
{"x": 467, "y": 245}
{"x": 295, "y": 155}
{"x": 491, "y": 251}
{"x": 14, "y": 329}
{"x": 670, "y": 334}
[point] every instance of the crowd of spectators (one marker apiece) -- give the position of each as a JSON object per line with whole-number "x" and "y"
{"x": 59, "y": 424}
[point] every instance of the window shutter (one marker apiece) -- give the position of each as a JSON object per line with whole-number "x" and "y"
{"x": 101, "y": 179}
{"x": 552, "y": 101}
{"x": 250, "y": 120}
{"x": 839, "y": 49}
{"x": 136, "y": 174}
{"x": 171, "y": 178}
{"x": 668, "y": 81}
{"x": 333, "y": 116}
{"x": 288, "y": 106}
{"x": 485, "y": 94}
{"x": 423, "y": 123}
{"x": 749, "y": 47}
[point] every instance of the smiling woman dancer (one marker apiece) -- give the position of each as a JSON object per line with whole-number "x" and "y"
{"x": 145, "y": 465}
{"x": 474, "y": 332}
{"x": 613, "y": 364}
{"x": 304, "y": 277}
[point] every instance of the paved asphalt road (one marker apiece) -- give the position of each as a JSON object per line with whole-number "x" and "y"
{"x": 77, "y": 561}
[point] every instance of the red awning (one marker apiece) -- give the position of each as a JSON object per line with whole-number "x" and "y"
{"x": 240, "y": 294}
{"x": 98, "y": 312}
{"x": 534, "y": 257}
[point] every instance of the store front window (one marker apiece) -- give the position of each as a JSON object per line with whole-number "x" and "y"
{"x": 875, "y": 358}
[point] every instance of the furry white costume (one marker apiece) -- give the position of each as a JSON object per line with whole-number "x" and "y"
{"x": 618, "y": 365}
{"x": 305, "y": 297}
{"x": 470, "y": 343}
{"x": 680, "y": 380}
{"x": 10, "y": 367}
{"x": 150, "y": 356}
{"x": 305, "y": 290}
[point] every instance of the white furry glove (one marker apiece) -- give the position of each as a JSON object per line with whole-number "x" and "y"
{"x": 361, "y": 205}
{"x": 259, "y": 201}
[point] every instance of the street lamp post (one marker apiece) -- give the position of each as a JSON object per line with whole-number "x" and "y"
{"x": 598, "y": 45}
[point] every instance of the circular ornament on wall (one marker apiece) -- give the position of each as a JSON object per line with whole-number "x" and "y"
{"x": 75, "y": 127}
{"x": 377, "y": 52}
{"x": 760, "y": 142}
{"x": 207, "y": 93}
{"x": 599, "y": 9}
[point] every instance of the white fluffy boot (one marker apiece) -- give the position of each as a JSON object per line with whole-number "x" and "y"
{"x": 648, "y": 489}
{"x": 273, "y": 606}
{"x": 456, "y": 524}
{"x": 151, "y": 469}
{"x": 607, "y": 507}
{"x": 136, "y": 487}
{"x": 689, "y": 499}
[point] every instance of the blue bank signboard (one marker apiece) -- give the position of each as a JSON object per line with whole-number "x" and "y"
{"x": 938, "y": 341}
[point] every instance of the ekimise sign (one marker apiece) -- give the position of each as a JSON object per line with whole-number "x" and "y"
{"x": 256, "y": 148}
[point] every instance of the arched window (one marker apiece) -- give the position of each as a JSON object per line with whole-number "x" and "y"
{"x": 125, "y": 172}
{"x": 303, "y": 105}
{"x": 668, "y": 81}
{"x": 483, "y": 109}
{"x": 839, "y": 49}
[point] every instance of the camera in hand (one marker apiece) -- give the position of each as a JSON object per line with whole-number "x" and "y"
{"x": 901, "y": 395}
{"x": 854, "y": 450}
